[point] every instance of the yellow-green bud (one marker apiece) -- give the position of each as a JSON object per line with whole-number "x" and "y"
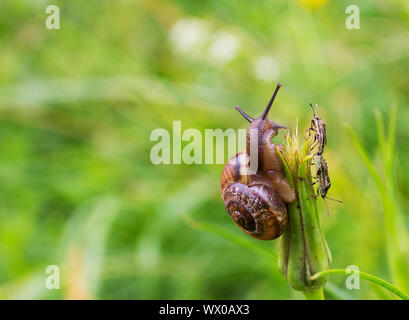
{"x": 303, "y": 249}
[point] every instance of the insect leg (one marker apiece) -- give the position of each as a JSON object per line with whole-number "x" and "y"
{"x": 312, "y": 147}
{"x": 326, "y": 205}
{"x": 340, "y": 201}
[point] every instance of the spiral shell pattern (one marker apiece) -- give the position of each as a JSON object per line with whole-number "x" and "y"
{"x": 251, "y": 201}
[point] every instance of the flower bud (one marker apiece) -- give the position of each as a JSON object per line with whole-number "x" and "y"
{"x": 303, "y": 249}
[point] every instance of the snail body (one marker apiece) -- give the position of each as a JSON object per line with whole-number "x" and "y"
{"x": 256, "y": 202}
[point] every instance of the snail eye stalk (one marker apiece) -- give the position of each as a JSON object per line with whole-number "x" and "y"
{"x": 270, "y": 103}
{"x": 245, "y": 115}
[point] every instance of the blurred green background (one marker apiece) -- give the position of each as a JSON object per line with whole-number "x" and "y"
{"x": 78, "y": 105}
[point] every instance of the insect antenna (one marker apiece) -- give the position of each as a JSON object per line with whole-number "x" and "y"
{"x": 245, "y": 115}
{"x": 326, "y": 205}
{"x": 340, "y": 201}
{"x": 314, "y": 111}
{"x": 265, "y": 113}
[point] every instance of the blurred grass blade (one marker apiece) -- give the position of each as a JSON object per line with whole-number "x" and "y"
{"x": 336, "y": 292}
{"x": 380, "y": 129}
{"x": 365, "y": 157}
{"x": 230, "y": 236}
{"x": 83, "y": 243}
{"x": 391, "y": 138}
{"x": 381, "y": 293}
{"x": 397, "y": 241}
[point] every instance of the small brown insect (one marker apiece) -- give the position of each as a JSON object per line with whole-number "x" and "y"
{"x": 324, "y": 183}
{"x": 320, "y": 137}
{"x": 320, "y": 129}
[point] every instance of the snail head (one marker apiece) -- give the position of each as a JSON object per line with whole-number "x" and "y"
{"x": 262, "y": 122}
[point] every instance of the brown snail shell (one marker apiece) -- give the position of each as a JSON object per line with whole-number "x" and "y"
{"x": 251, "y": 200}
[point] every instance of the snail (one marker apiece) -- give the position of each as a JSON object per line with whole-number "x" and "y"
{"x": 256, "y": 202}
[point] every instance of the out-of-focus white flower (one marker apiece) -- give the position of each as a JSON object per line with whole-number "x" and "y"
{"x": 224, "y": 47}
{"x": 189, "y": 35}
{"x": 266, "y": 68}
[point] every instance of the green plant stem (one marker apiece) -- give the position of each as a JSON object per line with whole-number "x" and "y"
{"x": 365, "y": 276}
{"x": 317, "y": 294}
